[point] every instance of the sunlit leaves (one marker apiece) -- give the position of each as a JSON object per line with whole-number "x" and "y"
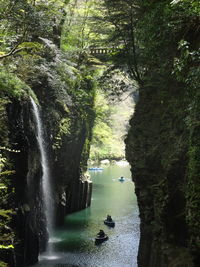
{"x": 190, "y": 6}
{"x": 187, "y": 66}
{"x": 11, "y": 85}
{"x": 27, "y": 20}
{"x": 85, "y": 25}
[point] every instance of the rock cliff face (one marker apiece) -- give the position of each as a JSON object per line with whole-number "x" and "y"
{"x": 29, "y": 220}
{"x": 158, "y": 149}
{"x": 67, "y": 123}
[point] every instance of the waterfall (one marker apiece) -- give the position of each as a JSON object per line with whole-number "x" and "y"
{"x": 46, "y": 186}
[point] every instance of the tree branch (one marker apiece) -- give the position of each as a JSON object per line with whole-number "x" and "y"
{"x": 14, "y": 51}
{"x": 132, "y": 35}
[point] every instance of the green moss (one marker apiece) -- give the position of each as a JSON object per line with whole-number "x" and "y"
{"x": 63, "y": 130}
{"x": 5, "y": 213}
{"x": 6, "y": 210}
{"x": 11, "y": 85}
{"x": 4, "y": 132}
{"x": 64, "y": 126}
{"x": 3, "y": 264}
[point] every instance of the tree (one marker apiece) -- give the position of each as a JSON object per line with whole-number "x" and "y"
{"x": 79, "y": 30}
{"x": 26, "y": 21}
{"x": 123, "y": 15}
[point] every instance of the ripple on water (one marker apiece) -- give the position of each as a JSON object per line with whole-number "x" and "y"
{"x": 75, "y": 244}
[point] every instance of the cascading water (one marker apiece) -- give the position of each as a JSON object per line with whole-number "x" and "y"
{"x": 46, "y": 185}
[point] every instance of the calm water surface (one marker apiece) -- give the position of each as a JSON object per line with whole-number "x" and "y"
{"x": 74, "y": 243}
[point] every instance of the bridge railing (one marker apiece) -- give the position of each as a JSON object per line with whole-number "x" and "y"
{"x": 100, "y": 51}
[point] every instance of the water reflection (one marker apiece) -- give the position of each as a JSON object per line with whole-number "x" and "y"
{"x": 75, "y": 241}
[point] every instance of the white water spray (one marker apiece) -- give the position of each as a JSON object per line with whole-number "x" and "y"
{"x": 46, "y": 186}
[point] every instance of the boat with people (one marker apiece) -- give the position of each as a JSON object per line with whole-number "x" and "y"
{"x": 101, "y": 237}
{"x": 109, "y": 221}
{"x": 95, "y": 169}
{"x": 121, "y": 179}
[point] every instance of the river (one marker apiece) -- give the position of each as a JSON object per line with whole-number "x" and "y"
{"x": 74, "y": 243}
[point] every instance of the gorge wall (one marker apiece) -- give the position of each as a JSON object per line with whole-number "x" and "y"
{"x": 159, "y": 46}
{"x": 162, "y": 145}
{"x": 162, "y": 148}
{"x": 67, "y": 115}
{"x": 157, "y": 149}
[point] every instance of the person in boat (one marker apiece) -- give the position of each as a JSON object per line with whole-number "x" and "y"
{"x": 109, "y": 218}
{"x": 101, "y": 233}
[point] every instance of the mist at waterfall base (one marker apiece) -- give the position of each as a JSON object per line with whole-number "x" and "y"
{"x": 46, "y": 185}
{"x": 74, "y": 244}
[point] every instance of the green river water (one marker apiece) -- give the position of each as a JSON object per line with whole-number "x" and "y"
{"x": 73, "y": 244}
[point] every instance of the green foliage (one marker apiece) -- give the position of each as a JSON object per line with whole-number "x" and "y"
{"x": 166, "y": 50}
{"x": 83, "y": 93}
{"x": 65, "y": 126}
{"x": 3, "y": 264}
{"x": 6, "y": 212}
{"x": 102, "y": 133}
{"x": 66, "y": 86}
{"x": 64, "y": 129}
{"x": 193, "y": 177}
{"x": 11, "y": 85}
{"x": 193, "y": 191}
{"x": 110, "y": 127}
{"x": 25, "y": 21}
{"x": 151, "y": 32}
{"x": 2, "y": 161}
{"x": 187, "y": 67}
{"x": 3, "y": 123}
{"x": 81, "y": 30}
{"x": 115, "y": 82}
{"x": 191, "y": 7}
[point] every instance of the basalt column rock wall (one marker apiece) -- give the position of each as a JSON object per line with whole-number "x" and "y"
{"x": 157, "y": 148}
{"x": 70, "y": 168}
{"x": 67, "y": 123}
{"x": 29, "y": 221}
